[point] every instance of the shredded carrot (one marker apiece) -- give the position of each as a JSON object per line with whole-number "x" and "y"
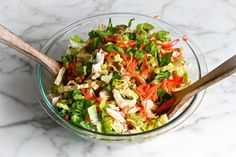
{"x": 170, "y": 45}
{"x": 111, "y": 54}
{"x": 123, "y": 56}
{"x": 112, "y": 38}
{"x": 175, "y": 58}
{"x": 171, "y": 84}
{"x": 123, "y": 45}
{"x": 99, "y": 99}
{"x": 132, "y": 65}
{"x": 129, "y": 44}
{"x": 79, "y": 79}
{"x": 132, "y": 43}
{"x": 88, "y": 93}
{"x": 66, "y": 117}
{"x": 84, "y": 91}
{"x": 142, "y": 45}
{"x": 145, "y": 67}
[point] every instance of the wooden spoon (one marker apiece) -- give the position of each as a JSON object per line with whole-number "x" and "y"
{"x": 182, "y": 96}
{"x": 12, "y": 40}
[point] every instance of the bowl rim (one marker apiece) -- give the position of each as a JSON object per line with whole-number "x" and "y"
{"x": 41, "y": 95}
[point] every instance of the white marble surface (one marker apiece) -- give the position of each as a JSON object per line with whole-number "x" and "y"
{"x": 26, "y": 130}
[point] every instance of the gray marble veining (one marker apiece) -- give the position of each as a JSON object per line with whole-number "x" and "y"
{"x": 26, "y": 130}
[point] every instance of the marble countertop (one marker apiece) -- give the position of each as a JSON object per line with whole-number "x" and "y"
{"x": 26, "y": 130}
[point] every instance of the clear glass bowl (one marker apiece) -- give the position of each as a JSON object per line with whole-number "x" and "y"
{"x": 57, "y": 45}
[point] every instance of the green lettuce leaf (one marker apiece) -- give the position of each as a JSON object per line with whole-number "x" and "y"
{"x": 76, "y": 38}
{"x": 153, "y": 49}
{"x": 166, "y": 59}
{"x": 161, "y": 76}
{"x": 144, "y": 27}
{"x": 162, "y": 35}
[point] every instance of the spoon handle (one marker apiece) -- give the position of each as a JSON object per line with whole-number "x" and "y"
{"x": 219, "y": 73}
{"x": 12, "y": 40}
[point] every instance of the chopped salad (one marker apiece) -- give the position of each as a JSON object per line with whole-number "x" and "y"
{"x": 120, "y": 80}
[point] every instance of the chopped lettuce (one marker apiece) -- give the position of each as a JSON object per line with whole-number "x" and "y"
{"x": 144, "y": 27}
{"x": 77, "y": 94}
{"x": 110, "y": 47}
{"x": 117, "y": 58}
{"x": 161, "y": 76}
{"x": 107, "y": 122}
{"x": 162, "y": 35}
{"x": 118, "y": 127}
{"x": 163, "y": 119}
{"x": 60, "y": 76}
{"x": 92, "y": 111}
{"x": 107, "y": 78}
{"x": 153, "y": 49}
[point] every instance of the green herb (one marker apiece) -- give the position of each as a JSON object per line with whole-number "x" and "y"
{"x": 76, "y": 39}
{"x": 153, "y": 49}
{"x": 162, "y": 95}
{"x": 142, "y": 38}
{"x": 87, "y": 125}
{"x": 112, "y": 48}
{"x": 131, "y": 36}
{"x": 66, "y": 59}
{"x": 77, "y": 94}
{"x": 161, "y": 76}
{"x": 93, "y": 34}
{"x": 108, "y": 88}
{"x": 76, "y": 118}
{"x": 116, "y": 76}
{"x": 96, "y": 42}
{"x": 130, "y": 22}
{"x": 165, "y": 59}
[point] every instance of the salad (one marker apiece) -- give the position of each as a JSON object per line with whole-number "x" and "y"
{"x": 120, "y": 80}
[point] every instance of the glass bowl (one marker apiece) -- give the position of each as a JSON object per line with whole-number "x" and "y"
{"x": 57, "y": 45}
